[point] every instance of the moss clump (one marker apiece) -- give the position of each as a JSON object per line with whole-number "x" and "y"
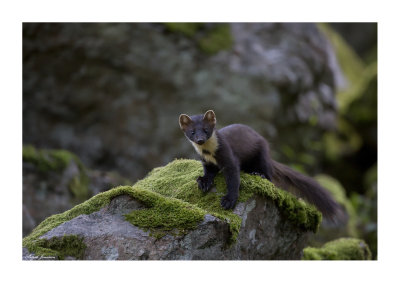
{"x": 165, "y": 215}
{"x": 343, "y": 142}
{"x": 48, "y": 160}
{"x": 58, "y": 160}
{"x": 210, "y": 38}
{"x": 79, "y": 187}
{"x": 178, "y": 180}
{"x": 340, "y": 249}
{"x": 339, "y": 194}
{"x": 60, "y": 248}
{"x": 188, "y": 29}
{"x": 217, "y": 39}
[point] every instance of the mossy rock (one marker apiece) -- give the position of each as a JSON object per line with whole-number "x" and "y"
{"x": 61, "y": 248}
{"x": 178, "y": 180}
{"x": 210, "y": 38}
{"x": 46, "y": 160}
{"x": 340, "y": 249}
{"x": 360, "y": 89}
{"x": 52, "y": 160}
{"x": 351, "y": 64}
{"x": 174, "y": 204}
{"x": 339, "y": 194}
{"x": 188, "y": 29}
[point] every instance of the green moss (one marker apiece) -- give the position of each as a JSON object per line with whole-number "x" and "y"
{"x": 360, "y": 89}
{"x": 57, "y": 160}
{"x": 351, "y": 65}
{"x": 343, "y": 142}
{"x": 79, "y": 187}
{"x": 92, "y": 205}
{"x": 178, "y": 180}
{"x": 217, "y": 39}
{"x": 188, "y": 29}
{"x": 59, "y": 248}
{"x": 210, "y": 38}
{"x": 339, "y": 194}
{"x": 46, "y": 160}
{"x": 363, "y": 110}
{"x": 166, "y": 215}
{"x": 175, "y": 205}
{"x": 340, "y": 249}
{"x": 183, "y": 216}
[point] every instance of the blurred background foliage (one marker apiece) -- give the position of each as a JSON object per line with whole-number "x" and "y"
{"x": 110, "y": 94}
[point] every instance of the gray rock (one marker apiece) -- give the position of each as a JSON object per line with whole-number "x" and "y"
{"x": 49, "y": 192}
{"x": 264, "y": 234}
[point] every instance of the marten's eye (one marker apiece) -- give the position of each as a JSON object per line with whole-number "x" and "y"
{"x": 193, "y": 132}
{"x": 205, "y": 130}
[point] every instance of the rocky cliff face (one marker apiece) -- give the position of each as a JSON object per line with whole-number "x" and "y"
{"x": 165, "y": 216}
{"x": 112, "y": 93}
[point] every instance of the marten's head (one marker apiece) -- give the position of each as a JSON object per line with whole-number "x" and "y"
{"x": 198, "y": 128}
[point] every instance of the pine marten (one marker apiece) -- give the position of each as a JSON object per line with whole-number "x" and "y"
{"x": 238, "y": 147}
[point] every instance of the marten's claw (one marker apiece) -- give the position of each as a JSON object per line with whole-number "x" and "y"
{"x": 228, "y": 202}
{"x": 204, "y": 184}
{"x": 258, "y": 174}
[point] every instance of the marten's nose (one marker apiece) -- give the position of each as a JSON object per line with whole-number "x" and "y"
{"x": 200, "y": 141}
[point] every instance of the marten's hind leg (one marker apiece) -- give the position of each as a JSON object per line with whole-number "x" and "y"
{"x": 264, "y": 168}
{"x": 263, "y": 162}
{"x": 260, "y": 165}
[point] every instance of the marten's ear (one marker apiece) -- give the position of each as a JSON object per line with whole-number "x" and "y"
{"x": 184, "y": 121}
{"x": 210, "y": 117}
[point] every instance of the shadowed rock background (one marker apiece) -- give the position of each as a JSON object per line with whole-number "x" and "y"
{"x": 112, "y": 93}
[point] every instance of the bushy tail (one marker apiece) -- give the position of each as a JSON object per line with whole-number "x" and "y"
{"x": 306, "y": 187}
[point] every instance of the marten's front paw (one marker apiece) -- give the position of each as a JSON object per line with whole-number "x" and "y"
{"x": 228, "y": 202}
{"x": 204, "y": 183}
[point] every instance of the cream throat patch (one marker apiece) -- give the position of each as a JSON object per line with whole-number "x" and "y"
{"x": 208, "y": 149}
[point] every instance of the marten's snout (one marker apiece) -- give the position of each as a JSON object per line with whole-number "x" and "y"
{"x": 200, "y": 141}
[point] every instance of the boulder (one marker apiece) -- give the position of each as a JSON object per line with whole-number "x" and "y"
{"x": 55, "y": 181}
{"x": 165, "y": 216}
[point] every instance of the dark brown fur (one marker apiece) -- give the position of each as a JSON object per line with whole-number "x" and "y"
{"x": 239, "y": 147}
